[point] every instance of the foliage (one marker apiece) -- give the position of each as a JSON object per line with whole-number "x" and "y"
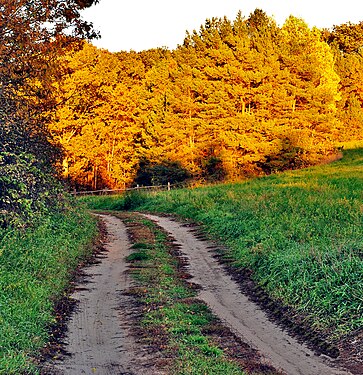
{"x": 132, "y": 200}
{"x": 346, "y": 42}
{"x": 27, "y": 191}
{"x": 347, "y": 37}
{"x": 213, "y": 169}
{"x": 150, "y": 174}
{"x": 35, "y": 269}
{"x": 300, "y": 233}
{"x": 33, "y": 35}
{"x": 237, "y": 98}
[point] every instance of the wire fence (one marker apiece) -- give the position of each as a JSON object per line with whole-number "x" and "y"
{"x": 167, "y": 187}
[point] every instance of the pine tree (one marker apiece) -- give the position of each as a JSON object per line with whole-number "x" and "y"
{"x": 347, "y": 42}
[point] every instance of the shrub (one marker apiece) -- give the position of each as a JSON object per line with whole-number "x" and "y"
{"x": 160, "y": 174}
{"x": 26, "y": 190}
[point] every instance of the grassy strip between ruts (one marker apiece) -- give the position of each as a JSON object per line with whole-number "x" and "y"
{"x": 173, "y": 319}
{"x": 35, "y": 269}
{"x": 299, "y": 232}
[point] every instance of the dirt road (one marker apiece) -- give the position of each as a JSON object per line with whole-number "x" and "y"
{"x": 242, "y": 316}
{"x": 99, "y": 340}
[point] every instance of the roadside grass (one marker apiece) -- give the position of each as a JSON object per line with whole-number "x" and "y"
{"x": 300, "y": 232}
{"x": 170, "y": 309}
{"x": 35, "y": 268}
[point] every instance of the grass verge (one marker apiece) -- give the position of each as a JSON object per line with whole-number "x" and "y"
{"x": 300, "y": 233}
{"x": 35, "y": 269}
{"x": 173, "y": 320}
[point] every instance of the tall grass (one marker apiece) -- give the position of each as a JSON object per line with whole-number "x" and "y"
{"x": 35, "y": 267}
{"x": 300, "y": 232}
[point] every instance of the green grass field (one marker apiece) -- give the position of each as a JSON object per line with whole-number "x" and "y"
{"x": 35, "y": 268}
{"x": 300, "y": 232}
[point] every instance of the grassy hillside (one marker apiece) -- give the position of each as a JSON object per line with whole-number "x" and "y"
{"x": 300, "y": 232}
{"x": 35, "y": 268}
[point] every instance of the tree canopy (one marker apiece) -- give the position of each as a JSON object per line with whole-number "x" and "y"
{"x": 237, "y": 98}
{"x": 33, "y": 36}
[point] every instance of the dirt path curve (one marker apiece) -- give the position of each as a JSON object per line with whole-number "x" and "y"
{"x": 99, "y": 341}
{"x": 242, "y": 316}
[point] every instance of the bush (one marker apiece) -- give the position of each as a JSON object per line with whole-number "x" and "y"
{"x": 133, "y": 200}
{"x": 150, "y": 174}
{"x": 26, "y": 190}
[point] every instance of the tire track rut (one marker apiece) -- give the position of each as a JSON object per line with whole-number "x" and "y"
{"x": 241, "y": 315}
{"x": 99, "y": 338}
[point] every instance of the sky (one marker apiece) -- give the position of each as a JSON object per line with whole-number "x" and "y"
{"x": 144, "y": 24}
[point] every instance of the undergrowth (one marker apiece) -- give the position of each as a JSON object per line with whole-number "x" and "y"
{"x": 300, "y": 232}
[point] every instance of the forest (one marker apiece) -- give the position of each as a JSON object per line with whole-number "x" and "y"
{"x": 236, "y": 99}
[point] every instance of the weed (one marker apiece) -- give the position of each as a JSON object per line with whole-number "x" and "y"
{"x": 170, "y": 307}
{"x": 141, "y": 255}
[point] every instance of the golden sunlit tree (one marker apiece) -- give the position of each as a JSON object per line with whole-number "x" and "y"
{"x": 347, "y": 44}
{"x": 33, "y": 34}
{"x": 237, "y": 98}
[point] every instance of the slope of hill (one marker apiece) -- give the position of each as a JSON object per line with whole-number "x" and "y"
{"x": 298, "y": 233}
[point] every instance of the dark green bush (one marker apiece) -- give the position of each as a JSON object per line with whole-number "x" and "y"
{"x": 151, "y": 174}
{"x": 133, "y": 200}
{"x": 26, "y": 190}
